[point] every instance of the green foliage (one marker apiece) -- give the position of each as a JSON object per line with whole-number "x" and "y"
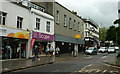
{"x": 111, "y": 34}
{"x": 102, "y": 33}
{"x": 117, "y": 21}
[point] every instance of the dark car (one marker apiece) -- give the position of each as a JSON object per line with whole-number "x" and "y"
{"x": 91, "y": 50}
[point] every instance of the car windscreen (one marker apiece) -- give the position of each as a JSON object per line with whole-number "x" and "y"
{"x": 90, "y": 48}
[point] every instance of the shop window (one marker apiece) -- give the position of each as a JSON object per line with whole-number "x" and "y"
{"x": 37, "y": 23}
{"x": 48, "y": 26}
{"x": 19, "y": 22}
{"x": 3, "y": 18}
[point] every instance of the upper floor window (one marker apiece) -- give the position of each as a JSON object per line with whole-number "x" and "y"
{"x": 70, "y": 23}
{"x": 65, "y": 20}
{"x": 75, "y": 25}
{"x": 19, "y": 22}
{"x": 3, "y": 18}
{"x": 86, "y": 25}
{"x": 48, "y": 26}
{"x": 79, "y": 26}
{"x": 57, "y": 17}
{"x": 86, "y": 34}
{"x": 37, "y": 23}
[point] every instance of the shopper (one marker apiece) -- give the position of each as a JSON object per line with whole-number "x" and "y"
{"x": 51, "y": 50}
{"x": 57, "y": 51}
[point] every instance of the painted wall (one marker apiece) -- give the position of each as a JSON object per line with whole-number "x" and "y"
{"x": 13, "y": 11}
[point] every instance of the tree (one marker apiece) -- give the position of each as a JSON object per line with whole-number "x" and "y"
{"x": 117, "y": 21}
{"x": 111, "y": 34}
{"x": 102, "y": 33}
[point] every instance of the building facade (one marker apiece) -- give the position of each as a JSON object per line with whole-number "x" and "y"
{"x": 13, "y": 30}
{"x": 23, "y": 29}
{"x": 68, "y": 28}
{"x": 91, "y": 33}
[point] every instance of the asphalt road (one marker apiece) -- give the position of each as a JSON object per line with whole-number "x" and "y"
{"x": 87, "y": 64}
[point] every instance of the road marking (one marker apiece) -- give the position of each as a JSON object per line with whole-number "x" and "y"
{"x": 104, "y": 71}
{"x": 85, "y": 67}
{"x": 104, "y": 56}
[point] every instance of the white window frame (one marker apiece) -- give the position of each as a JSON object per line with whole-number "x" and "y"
{"x": 38, "y": 23}
{"x": 3, "y": 17}
{"x": 48, "y": 26}
{"x": 19, "y": 22}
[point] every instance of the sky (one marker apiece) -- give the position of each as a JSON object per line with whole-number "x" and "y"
{"x": 100, "y": 11}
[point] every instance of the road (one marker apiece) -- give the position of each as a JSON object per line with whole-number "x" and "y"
{"x": 87, "y": 64}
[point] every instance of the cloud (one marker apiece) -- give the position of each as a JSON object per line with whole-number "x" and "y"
{"x": 101, "y": 11}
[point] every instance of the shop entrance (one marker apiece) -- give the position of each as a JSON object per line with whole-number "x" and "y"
{"x": 13, "y": 48}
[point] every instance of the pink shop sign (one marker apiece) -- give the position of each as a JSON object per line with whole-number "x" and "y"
{"x": 42, "y": 36}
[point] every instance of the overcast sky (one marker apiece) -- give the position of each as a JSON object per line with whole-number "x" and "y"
{"x": 101, "y": 11}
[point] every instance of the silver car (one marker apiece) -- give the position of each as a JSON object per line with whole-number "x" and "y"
{"x": 111, "y": 49}
{"x": 103, "y": 49}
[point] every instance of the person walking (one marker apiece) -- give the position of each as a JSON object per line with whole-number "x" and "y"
{"x": 51, "y": 50}
{"x": 36, "y": 53}
{"x": 57, "y": 51}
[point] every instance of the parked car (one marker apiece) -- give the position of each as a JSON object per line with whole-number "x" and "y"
{"x": 116, "y": 48}
{"x": 111, "y": 49}
{"x": 91, "y": 50}
{"x": 103, "y": 49}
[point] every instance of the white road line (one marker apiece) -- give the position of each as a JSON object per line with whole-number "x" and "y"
{"x": 104, "y": 56}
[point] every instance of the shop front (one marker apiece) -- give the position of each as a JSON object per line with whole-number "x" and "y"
{"x": 42, "y": 40}
{"x": 14, "y": 43}
{"x": 68, "y": 44}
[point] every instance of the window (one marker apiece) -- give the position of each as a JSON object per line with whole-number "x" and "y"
{"x": 74, "y": 25}
{"x": 79, "y": 26}
{"x": 65, "y": 20}
{"x": 37, "y": 24}
{"x": 19, "y": 22}
{"x": 70, "y": 23}
{"x": 3, "y": 18}
{"x": 86, "y": 25}
{"x": 48, "y": 26}
{"x": 86, "y": 34}
{"x": 57, "y": 17}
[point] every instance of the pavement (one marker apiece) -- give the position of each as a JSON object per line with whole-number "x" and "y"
{"x": 18, "y": 64}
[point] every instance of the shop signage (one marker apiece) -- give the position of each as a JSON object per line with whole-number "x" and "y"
{"x": 78, "y": 36}
{"x": 42, "y": 36}
{"x": 32, "y": 43}
{"x": 9, "y": 32}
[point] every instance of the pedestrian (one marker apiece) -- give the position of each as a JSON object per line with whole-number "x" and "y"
{"x": 51, "y": 50}
{"x": 69, "y": 50}
{"x": 36, "y": 50}
{"x": 47, "y": 50}
{"x": 57, "y": 51}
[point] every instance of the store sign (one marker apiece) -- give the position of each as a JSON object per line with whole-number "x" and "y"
{"x": 32, "y": 43}
{"x": 78, "y": 36}
{"x": 42, "y": 36}
{"x": 8, "y": 32}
